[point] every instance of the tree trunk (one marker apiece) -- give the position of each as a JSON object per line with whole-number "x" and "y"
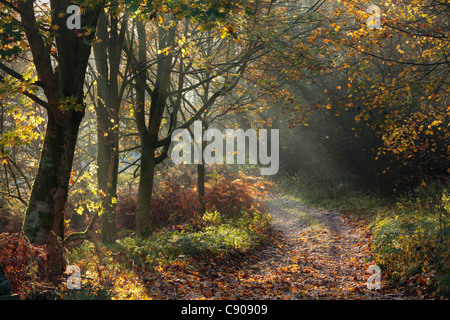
{"x": 201, "y": 174}
{"x": 107, "y": 176}
{"x": 45, "y": 213}
{"x": 107, "y": 109}
{"x": 146, "y": 179}
{"x": 201, "y": 187}
{"x": 149, "y": 134}
{"x": 63, "y": 88}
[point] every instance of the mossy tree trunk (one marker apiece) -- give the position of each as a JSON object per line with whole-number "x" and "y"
{"x": 63, "y": 88}
{"x": 45, "y": 213}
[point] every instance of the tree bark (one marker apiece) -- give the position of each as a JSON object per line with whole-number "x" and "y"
{"x": 201, "y": 187}
{"x": 201, "y": 172}
{"x": 149, "y": 134}
{"x": 45, "y": 213}
{"x": 107, "y": 109}
{"x": 145, "y": 192}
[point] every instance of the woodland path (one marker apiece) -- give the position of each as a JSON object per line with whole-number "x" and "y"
{"x": 316, "y": 255}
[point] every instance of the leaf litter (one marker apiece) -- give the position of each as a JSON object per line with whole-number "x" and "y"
{"x": 313, "y": 254}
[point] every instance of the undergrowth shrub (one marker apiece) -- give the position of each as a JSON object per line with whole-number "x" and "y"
{"x": 412, "y": 241}
{"x": 97, "y": 274}
{"x": 232, "y": 196}
{"x": 24, "y": 263}
{"x": 219, "y": 236}
{"x": 10, "y": 220}
{"x": 175, "y": 197}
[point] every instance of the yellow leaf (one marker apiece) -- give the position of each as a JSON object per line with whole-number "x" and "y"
{"x": 436, "y": 122}
{"x": 23, "y": 45}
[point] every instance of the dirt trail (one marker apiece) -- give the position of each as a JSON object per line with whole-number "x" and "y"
{"x": 326, "y": 253}
{"x": 316, "y": 255}
{"x": 319, "y": 255}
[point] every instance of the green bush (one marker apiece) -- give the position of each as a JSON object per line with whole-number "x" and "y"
{"x": 412, "y": 240}
{"x": 212, "y": 218}
{"x": 219, "y": 236}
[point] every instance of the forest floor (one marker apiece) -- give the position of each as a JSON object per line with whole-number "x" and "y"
{"x": 315, "y": 254}
{"x": 308, "y": 253}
